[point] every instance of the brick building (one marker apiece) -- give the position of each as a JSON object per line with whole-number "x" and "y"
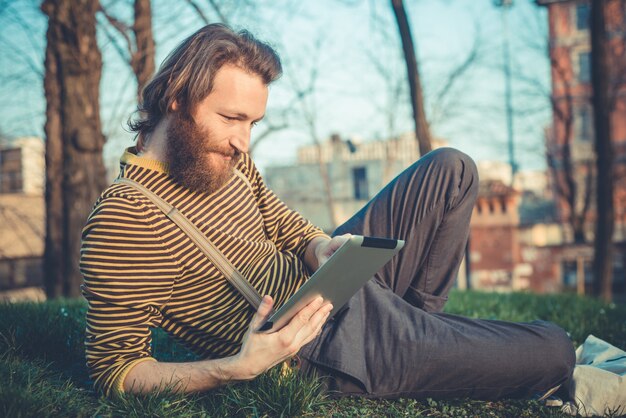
{"x": 515, "y": 240}
{"x": 494, "y": 241}
{"x": 572, "y": 128}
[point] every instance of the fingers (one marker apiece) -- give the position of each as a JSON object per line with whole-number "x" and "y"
{"x": 262, "y": 312}
{"x": 331, "y": 246}
{"x": 306, "y": 324}
{"x": 260, "y": 351}
{"x": 290, "y": 331}
{"x": 338, "y": 241}
{"x": 317, "y": 322}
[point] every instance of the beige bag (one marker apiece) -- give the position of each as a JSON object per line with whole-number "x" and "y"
{"x": 599, "y": 383}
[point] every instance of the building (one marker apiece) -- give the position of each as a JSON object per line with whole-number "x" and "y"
{"x": 518, "y": 242}
{"x": 22, "y": 166}
{"x": 22, "y": 212}
{"x": 356, "y": 171}
{"x": 511, "y": 230}
{"x": 22, "y": 236}
{"x": 494, "y": 244}
{"x": 572, "y": 129}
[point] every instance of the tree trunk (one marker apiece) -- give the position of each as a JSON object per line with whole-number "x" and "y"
{"x": 422, "y": 130}
{"x": 142, "y": 60}
{"x": 76, "y": 174}
{"x": 603, "y": 246}
{"x": 52, "y": 263}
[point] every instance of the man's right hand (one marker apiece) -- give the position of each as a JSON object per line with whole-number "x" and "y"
{"x": 261, "y": 351}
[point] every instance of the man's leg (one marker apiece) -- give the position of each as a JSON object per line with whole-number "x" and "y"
{"x": 428, "y": 205}
{"x": 382, "y": 346}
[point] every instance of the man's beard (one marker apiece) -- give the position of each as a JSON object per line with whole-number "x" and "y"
{"x": 187, "y": 152}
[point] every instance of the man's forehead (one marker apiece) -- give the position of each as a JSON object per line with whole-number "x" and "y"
{"x": 238, "y": 93}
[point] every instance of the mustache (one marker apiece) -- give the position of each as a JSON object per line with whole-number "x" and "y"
{"x": 233, "y": 153}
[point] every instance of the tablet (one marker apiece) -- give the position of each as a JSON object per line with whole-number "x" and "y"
{"x": 345, "y": 272}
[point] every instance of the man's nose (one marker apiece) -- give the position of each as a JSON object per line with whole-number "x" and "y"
{"x": 241, "y": 141}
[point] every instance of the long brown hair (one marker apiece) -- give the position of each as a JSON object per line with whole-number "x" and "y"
{"x": 186, "y": 76}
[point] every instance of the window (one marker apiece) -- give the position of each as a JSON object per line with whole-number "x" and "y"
{"x": 569, "y": 269}
{"x": 359, "y": 175}
{"x": 583, "y": 124}
{"x": 582, "y": 16}
{"x": 11, "y": 170}
{"x": 584, "y": 67}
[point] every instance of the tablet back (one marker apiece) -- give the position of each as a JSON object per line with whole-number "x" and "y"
{"x": 345, "y": 272}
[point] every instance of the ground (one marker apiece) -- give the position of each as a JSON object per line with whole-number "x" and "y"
{"x": 43, "y": 373}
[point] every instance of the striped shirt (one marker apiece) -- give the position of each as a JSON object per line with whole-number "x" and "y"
{"x": 141, "y": 271}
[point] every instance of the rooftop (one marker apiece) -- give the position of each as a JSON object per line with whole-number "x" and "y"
{"x": 494, "y": 188}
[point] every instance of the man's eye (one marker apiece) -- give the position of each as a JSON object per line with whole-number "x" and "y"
{"x": 253, "y": 124}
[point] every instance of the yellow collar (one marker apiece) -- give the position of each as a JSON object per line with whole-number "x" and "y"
{"x": 130, "y": 157}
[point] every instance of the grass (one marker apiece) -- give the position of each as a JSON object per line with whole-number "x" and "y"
{"x": 42, "y": 371}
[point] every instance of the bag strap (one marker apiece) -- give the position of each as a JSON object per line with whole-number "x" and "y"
{"x": 206, "y": 246}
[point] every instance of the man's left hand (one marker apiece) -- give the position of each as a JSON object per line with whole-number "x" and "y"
{"x": 326, "y": 248}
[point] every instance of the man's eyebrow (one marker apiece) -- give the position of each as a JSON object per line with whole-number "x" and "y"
{"x": 243, "y": 116}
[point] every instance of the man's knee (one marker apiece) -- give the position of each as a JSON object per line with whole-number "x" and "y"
{"x": 453, "y": 159}
{"x": 463, "y": 167}
{"x": 558, "y": 354}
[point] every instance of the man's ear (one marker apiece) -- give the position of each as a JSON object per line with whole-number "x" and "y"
{"x": 174, "y": 106}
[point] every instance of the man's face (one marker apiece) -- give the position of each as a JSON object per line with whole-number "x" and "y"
{"x": 203, "y": 149}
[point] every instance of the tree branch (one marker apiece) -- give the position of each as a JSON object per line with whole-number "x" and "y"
{"x": 121, "y": 27}
{"x": 115, "y": 43}
{"x": 461, "y": 69}
{"x": 198, "y": 11}
{"x": 218, "y": 12}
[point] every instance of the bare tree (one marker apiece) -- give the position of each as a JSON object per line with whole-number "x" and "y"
{"x": 227, "y": 11}
{"x": 559, "y": 156}
{"x": 603, "y": 244}
{"x": 215, "y": 6}
{"x": 139, "y": 39}
{"x": 396, "y": 89}
{"x": 422, "y": 130}
{"x": 305, "y": 100}
{"x": 571, "y": 176}
{"x": 275, "y": 121}
{"x": 21, "y": 70}
{"x": 575, "y": 177}
{"x": 75, "y": 173}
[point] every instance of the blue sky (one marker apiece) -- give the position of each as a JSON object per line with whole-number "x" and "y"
{"x": 351, "y": 97}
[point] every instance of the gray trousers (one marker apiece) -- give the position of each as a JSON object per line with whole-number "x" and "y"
{"x": 391, "y": 339}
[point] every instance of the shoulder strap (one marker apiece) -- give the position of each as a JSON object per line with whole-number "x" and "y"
{"x": 206, "y": 246}
{"x": 243, "y": 178}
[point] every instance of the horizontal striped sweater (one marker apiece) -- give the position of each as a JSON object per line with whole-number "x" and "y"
{"x": 141, "y": 271}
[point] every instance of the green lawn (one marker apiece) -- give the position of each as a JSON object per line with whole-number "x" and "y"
{"x": 42, "y": 370}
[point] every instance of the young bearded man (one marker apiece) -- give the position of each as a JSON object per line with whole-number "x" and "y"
{"x": 391, "y": 339}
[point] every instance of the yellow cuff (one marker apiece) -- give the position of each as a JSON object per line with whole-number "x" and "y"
{"x": 119, "y": 382}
